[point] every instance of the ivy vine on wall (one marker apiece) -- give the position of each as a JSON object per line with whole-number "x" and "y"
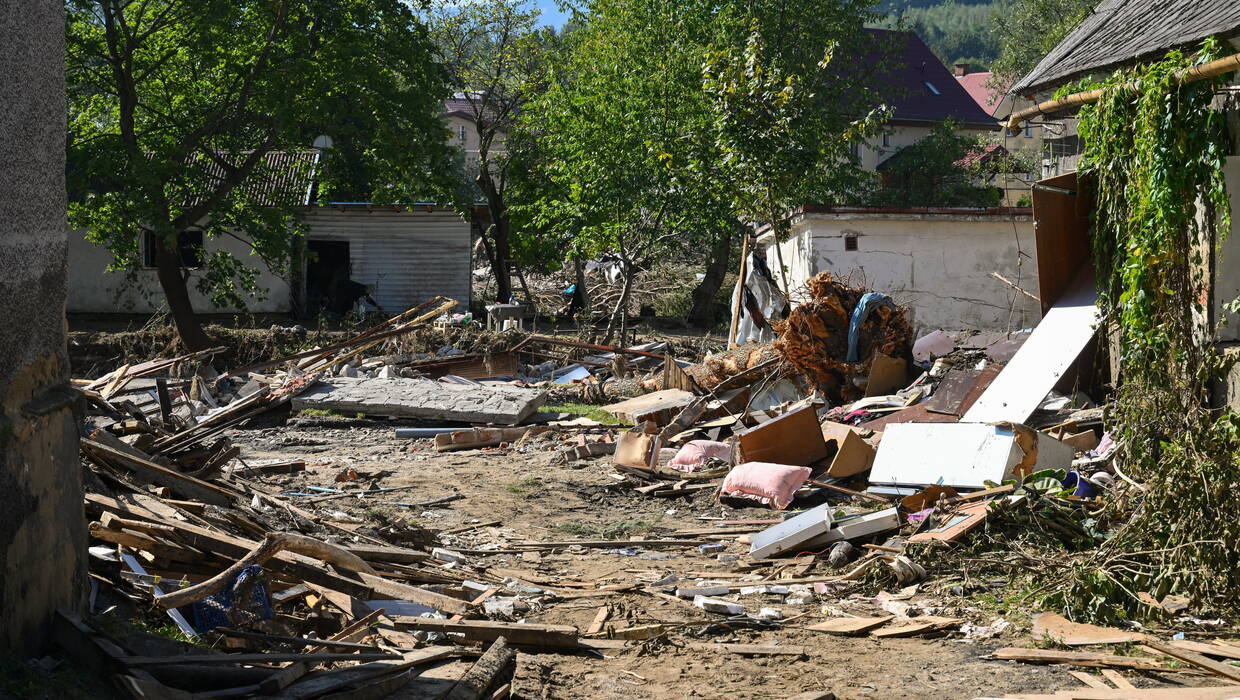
{"x": 1156, "y": 150}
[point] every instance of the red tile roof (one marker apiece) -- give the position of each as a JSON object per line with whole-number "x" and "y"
{"x": 976, "y": 85}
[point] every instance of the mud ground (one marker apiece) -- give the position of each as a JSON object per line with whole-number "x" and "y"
{"x": 534, "y": 498}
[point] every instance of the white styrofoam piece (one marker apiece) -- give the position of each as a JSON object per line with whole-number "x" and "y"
{"x": 780, "y": 538}
{"x": 965, "y": 455}
{"x": 1040, "y": 363}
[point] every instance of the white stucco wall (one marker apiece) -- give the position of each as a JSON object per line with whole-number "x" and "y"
{"x": 408, "y": 254}
{"x": 94, "y": 290}
{"x": 938, "y": 265}
{"x": 1227, "y": 261}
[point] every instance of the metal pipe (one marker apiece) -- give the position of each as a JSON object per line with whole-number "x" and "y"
{"x": 1192, "y": 75}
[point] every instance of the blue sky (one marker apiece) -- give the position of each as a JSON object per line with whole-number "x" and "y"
{"x": 551, "y": 13}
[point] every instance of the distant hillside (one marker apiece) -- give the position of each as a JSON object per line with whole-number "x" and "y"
{"x": 957, "y": 32}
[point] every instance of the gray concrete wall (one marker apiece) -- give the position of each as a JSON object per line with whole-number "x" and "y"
{"x": 42, "y": 531}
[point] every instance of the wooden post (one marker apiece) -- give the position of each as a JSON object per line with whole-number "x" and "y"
{"x": 739, "y": 296}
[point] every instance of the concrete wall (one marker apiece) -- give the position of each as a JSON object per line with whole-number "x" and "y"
{"x": 1226, "y": 286}
{"x": 92, "y": 289}
{"x": 409, "y": 254}
{"x": 42, "y": 528}
{"x": 937, "y": 264}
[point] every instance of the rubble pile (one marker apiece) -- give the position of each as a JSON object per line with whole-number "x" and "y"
{"x": 826, "y": 337}
{"x": 311, "y": 586}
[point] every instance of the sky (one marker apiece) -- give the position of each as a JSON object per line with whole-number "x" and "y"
{"x": 551, "y": 13}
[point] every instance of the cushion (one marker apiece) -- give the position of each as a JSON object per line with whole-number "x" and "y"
{"x": 772, "y": 484}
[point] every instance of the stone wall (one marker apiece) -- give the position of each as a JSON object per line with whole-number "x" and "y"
{"x": 42, "y": 531}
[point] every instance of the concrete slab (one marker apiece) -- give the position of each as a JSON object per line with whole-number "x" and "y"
{"x": 424, "y": 399}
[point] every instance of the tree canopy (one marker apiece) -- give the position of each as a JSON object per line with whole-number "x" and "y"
{"x": 176, "y": 106}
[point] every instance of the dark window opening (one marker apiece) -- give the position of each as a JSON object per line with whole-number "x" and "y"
{"x": 850, "y": 242}
{"x": 189, "y": 245}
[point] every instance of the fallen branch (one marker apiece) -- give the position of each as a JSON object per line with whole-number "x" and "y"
{"x": 272, "y": 545}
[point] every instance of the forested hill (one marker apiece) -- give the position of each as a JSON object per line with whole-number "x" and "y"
{"x": 957, "y": 31}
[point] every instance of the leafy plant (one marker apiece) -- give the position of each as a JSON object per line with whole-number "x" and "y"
{"x": 1155, "y": 150}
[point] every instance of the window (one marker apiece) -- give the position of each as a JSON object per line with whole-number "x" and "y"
{"x": 931, "y": 87}
{"x": 461, "y": 133}
{"x": 190, "y": 245}
{"x": 1028, "y": 131}
{"x": 886, "y": 139}
{"x": 850, "y": 241}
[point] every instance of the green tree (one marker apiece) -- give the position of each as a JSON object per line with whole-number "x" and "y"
{"x": 175, "y": 106}
{"x": 628, "y": 164}
{"x": 1027, "y": 30}
{"x": 494, "y": 52}
{"x": 787, "y": 119}
{"x": 932, "y": 173}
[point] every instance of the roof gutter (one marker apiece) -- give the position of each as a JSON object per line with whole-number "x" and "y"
{"x": 1192, "y": 75}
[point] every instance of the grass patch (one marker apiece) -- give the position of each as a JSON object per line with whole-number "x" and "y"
{"x": 324, "y": 413}
{"x": 613, "y": 530}
{"x": 524, "y": 486}
{"x": 584, "y": 409}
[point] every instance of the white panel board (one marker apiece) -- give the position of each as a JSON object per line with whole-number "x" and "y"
{"x": 964, "y": 455}
{"x": 1039, "y": 364}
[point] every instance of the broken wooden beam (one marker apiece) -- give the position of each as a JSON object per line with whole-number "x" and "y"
{"x": 482, "y": 675}
{"x": 536, "y": 635}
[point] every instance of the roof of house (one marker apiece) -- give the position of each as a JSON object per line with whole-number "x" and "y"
{"x": 921, "y": 88}
{"x": 976, "y": 84}
{"x": 282, "y": 178}
{"x": 1118, "y": 32}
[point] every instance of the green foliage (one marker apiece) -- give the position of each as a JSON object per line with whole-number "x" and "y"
{"x": 786, "y": 121}
{"x": 1027, "y": 30}
{"x": 175, "y": 104}
{"x": 956, "y": 32}
{"x": 584, "y": 409}
{"x": 1156, "y": 150}
{"x": 926, "y": 174}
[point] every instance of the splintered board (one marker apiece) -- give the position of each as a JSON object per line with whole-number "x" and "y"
{"x": 1041, "y": 362}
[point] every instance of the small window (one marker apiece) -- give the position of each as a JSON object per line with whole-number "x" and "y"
{"x": 930, "y": 86}
{"x": 886, "y": 139}
{"x": 189, "y": 243}
{"x": 461, "y": 133}
{"x": 1028, "y": 131}
{"x": 850, "y": 242}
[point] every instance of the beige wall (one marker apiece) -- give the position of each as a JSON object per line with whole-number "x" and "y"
{"x": 408, "y": 255}
{"x": 92, "y": 289}
{"x": 939, "y": 265}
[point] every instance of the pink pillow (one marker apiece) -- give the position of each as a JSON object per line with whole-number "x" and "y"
{"x": 694, "y": 455}
{"x": 772, "y": 484}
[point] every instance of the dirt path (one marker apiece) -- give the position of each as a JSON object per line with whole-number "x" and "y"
{"x": 536, "y": 499}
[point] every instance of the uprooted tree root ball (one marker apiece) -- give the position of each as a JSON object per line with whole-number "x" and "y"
{"x": 814, "y": 337}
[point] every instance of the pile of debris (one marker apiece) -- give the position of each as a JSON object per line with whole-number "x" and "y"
{"x": 946, "y": 437}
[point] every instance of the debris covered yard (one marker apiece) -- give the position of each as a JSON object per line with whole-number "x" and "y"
{"x": 850, "y": 511}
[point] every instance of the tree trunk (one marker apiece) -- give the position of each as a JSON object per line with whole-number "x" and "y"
{"x": 702, "y": 313}
{"x": 499, "y": 234}
{"x": 583, "y": 293}
{"x": 176, "y": 291}
{"x": 621, "y": 311}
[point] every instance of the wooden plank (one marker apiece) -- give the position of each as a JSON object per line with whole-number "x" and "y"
{"x": 1190, "y": 657}
{"x": 914, "y": 626}
{"x": 1043, "y": 360}
{"x": 848, "y": 626}
{"x": 375, "y": 689}
{"x": 600, "y": 618}
{"x": 336, "y": 681}
{"x": 1089, "y": 680}
{"x": 1080, "y": 658}
{"x": 250, "y": 658}
{"x": 750, "y": 649}
{"x": 162, "y": 476}
{"x": 1225, "y": 651}
{"x": 1117, "y": 679}
{"x": 383, "y": 588}
{"x": 555, "y": 636}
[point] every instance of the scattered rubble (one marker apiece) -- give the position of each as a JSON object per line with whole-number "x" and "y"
{"x": 885, "y": 480}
